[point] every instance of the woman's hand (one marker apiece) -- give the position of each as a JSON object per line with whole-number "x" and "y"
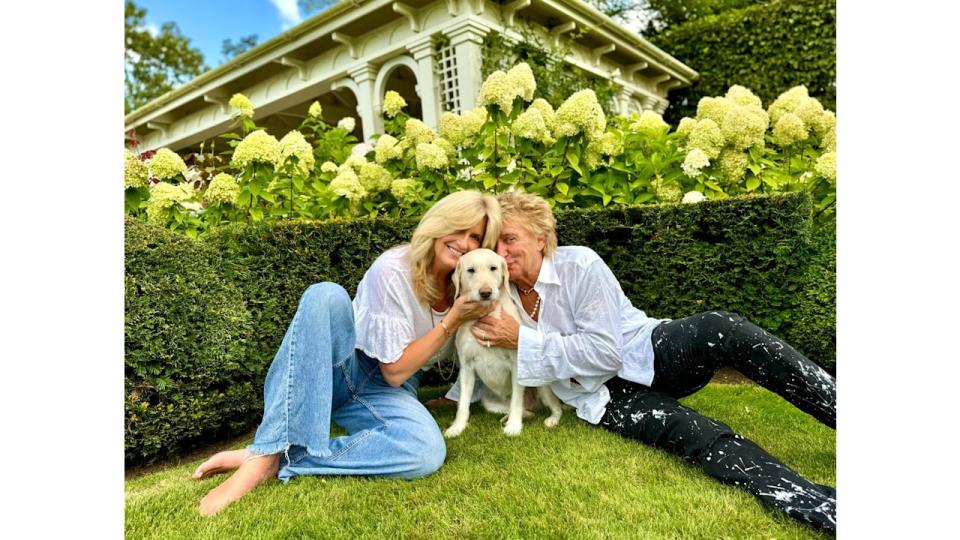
{"x": 464, "y": 310}
{"x": 503, "y": 332}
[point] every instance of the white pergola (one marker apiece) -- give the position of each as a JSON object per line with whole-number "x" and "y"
{"x": 349, "y": 55}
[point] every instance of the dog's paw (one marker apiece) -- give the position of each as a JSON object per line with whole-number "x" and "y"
{"x": 512, "y": 429}
{"x": 551, "y": 421}
{"x": 454, "y": 430}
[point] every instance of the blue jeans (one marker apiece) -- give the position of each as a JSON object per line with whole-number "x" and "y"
{"x": 316, "y": 376}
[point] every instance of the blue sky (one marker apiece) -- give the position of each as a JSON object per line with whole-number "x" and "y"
{"x": 208, "y": 22}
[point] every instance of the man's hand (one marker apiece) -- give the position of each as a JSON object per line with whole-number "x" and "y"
{"x": 503, "y": 332}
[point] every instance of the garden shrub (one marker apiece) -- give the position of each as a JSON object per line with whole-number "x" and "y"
{"x": 188, "y": 374}
{"x": 814, "y": 328}
{"x": 749, "y": 255}
{"x": 765, "y": 48}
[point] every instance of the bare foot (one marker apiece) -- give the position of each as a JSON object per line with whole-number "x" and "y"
{"x": 251, "y": 473}
{"x": 220, "y": 462}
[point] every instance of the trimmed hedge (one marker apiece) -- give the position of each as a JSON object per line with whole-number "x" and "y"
{"x": 813, "y": 329}
{"x": 188, "y": 375}
{"x": 220, "y": 306}
{"x": 768, "y": 48}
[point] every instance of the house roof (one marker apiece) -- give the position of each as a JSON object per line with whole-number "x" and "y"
{"x": 313, "y": 36}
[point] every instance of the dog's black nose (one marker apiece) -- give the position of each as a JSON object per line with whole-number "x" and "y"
{"x": 485, "y": 294}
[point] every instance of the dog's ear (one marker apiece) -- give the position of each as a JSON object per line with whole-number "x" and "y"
{"x": 506, "y": 276}
{"x": 456, "y": 277}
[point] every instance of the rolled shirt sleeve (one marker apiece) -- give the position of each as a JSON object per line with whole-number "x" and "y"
{"x": 579, "y": 334}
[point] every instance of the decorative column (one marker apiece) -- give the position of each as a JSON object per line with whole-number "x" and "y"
{"x": 365, "y": 75}
{"x": 422, "y": 52}
{"x": 467, "y": 42}
{"x": 626, "y": 95}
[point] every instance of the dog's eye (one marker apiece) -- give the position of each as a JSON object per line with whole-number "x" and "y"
{"x": 470, "y": 270}
{"x": 493, "y": 268}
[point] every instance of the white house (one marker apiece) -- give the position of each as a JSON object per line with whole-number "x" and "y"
{"x": 429, "y": 51}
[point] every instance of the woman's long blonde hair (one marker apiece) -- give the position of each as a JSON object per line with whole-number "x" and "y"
{"x": 456, "y": 212}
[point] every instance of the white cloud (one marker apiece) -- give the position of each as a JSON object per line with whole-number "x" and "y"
{"x": 289, "y": 12}
{"x": 150, "y": 28}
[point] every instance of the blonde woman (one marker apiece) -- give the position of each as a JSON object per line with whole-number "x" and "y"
{"x": 360, "y": 364}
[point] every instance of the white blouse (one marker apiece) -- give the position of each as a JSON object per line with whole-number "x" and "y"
{"x": 387, "y": 314}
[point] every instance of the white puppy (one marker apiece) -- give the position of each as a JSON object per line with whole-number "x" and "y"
{"x": 482, "y": 274}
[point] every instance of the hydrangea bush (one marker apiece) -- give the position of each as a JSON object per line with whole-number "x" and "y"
{"x": 572, "y": 156}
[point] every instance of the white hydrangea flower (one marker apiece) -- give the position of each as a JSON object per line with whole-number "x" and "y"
{"x": 827, "y": 166}
{"x": 294, "y": 144}
{"x": 167, "y": 165}
{"x": 695, "y": 162}
{"x": 347, "y": 124}
{"x": 328, "y": 166}
{"x": 393, "y": 103}
{"x": 693, "y": 197}
{"x": 431, "y": 156}
{"x": 242, "y": 104}
{"x": 580, "y": 113}
{"x": 257, "y": 147}
{"x": 387, "y": 149}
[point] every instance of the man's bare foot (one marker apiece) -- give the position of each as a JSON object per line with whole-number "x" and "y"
{"x": 251, "y": 473}
{"x": 220, "y": 462}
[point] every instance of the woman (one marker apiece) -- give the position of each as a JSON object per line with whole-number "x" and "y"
{"x": 624, "y": 371}
{"x": 360, "y": 365}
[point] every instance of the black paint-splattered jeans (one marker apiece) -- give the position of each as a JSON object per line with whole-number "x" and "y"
{"x": 687, "y": 353}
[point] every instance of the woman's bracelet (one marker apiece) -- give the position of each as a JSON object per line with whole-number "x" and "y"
{"x": 446, "y": 331}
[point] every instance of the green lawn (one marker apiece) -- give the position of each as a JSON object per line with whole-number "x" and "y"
{"x": 574, "y": 481}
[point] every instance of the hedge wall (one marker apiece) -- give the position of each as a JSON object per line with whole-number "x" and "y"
{"x": 209, "y": 315}
{"x": 188, "y": 372}
{"x": 768, "y": 48}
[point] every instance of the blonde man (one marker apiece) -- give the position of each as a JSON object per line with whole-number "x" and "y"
{"x": 360, "y": 363}
{"x": 624, "y": 371}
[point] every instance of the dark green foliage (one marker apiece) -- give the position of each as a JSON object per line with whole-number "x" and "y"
{"x": 767, "y": 48}
{"x": 814, "y": 328}
{"x": 665, "y": 14}
{"x": 743, "y": 255}
{"x": 184, "y": 307}
{"x": 274, "y": 265}
{"x": 188, "y": 375}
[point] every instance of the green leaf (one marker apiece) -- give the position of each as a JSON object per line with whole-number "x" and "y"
{"x": 562, "y": 187}
{"x": 712, "y": 185}
{"x": 752, "y": 183}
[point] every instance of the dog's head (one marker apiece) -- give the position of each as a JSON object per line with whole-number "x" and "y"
{"x": 481, "y": 274}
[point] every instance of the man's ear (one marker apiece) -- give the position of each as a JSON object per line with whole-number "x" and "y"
{"x": 456, "y": 278}
{"x": 506, "y": 276}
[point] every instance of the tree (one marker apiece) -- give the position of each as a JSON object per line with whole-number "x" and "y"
{"x": 664, "y": 14}
{"x": 230, "y": 49}
{"x": 309, "y": 7}
{"x": 155, "y": 64}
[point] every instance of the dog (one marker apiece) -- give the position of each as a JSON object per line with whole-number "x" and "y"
{"x": 482, "y": 275}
